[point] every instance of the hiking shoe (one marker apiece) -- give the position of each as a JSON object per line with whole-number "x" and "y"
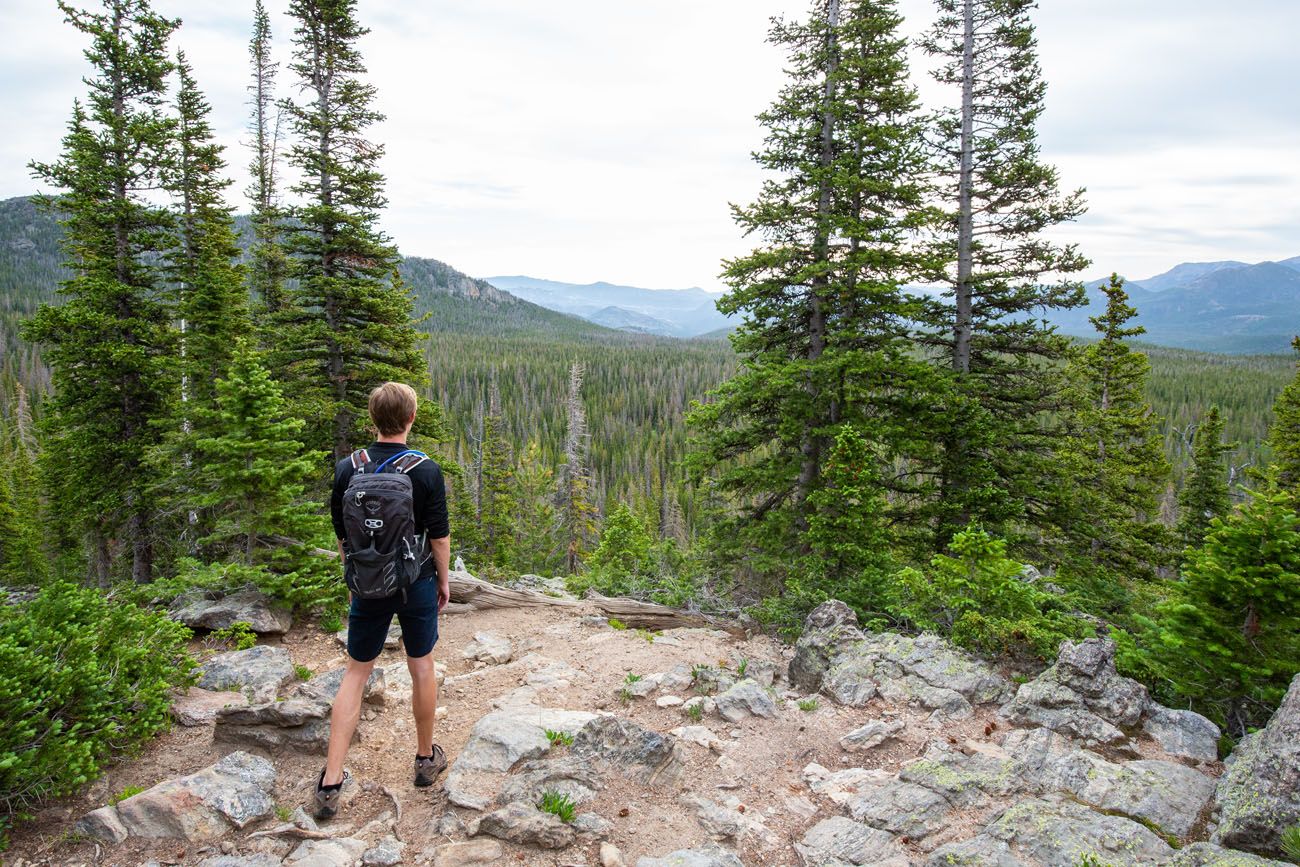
{"x": 326, "y": 802}
{"x": 427, "y": 768}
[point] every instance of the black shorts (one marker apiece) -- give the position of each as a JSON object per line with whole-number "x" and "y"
{"x": 368, "y": 621}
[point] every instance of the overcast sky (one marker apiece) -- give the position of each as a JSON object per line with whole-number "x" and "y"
{"x": 582, "y": 141}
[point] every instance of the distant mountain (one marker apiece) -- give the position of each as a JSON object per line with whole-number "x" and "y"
{"x": 1210, "y": 306}
{"x": 30, "y": 271}
{"x": 675, "y": 312}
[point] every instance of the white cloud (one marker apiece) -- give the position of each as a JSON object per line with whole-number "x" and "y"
{"x": 584, "y": 141}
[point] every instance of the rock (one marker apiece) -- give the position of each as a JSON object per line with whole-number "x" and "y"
{"x": 592, "y": 824}
{"x": 677, "y": 679}
{"x": 641, "y": 687}
{"x": 1165, "y": 795}
{"x": 980, "y": 851}
{"x": 490, "y": 648}
{"x": 386, "y": 853}
{"x": 323, "y": 687}
{"x": 471, "y": 853}
{"x": 293, "y": 724}
{"x": 667, "y": 701}
{"x": 722, "y": 823}
{"x": 701, "y": 735}
{"x": 849, "y": 681}
{"x": 1209, "y": 855}
{"x": 710, "y": 681}
{"x": 526, "y": 825}
{"x": 198, "y": 707}
{"x": 610, "y": 856}
{"x": 260, "y": 859}
{"x": 102, "y": 824}
{"x": 841, "y": 786}
{"x": 646, "y": 756}
{"x": 744, "y": 700}
{"x": 263, "y": 614}
{"x": 335, "y": 852}
{"x": 873, "y": 734}
{"x": 900, "y": 807}
{"x": 964, "y": 777}
{"x": 391, "y": 641}
{"x": 258, "y": 672}
{"x": 800, "y": 807}
{"x": 840, "y": 841}
{"x": 829, "y": 628}
{"x": 761, "y": 671}
{"x": 706, "y": 705}
{"x": 924, "y": 669}
{"x": 1260, "y": 793}
{"x": 1081, "y": 695}
{"x": 705, "y": 856}
{"x": 573, "y": 776}
{"x": 205, "y": 805}
{"x": 499, "y": 740}
{"x": 1063, "y": 832}
{"x": 1182, "y": 733}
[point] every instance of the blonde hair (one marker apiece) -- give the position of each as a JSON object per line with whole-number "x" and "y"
{"x": 391, "y": 406}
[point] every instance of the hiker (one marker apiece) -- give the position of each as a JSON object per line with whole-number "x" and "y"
{"x": 390, "y": 516}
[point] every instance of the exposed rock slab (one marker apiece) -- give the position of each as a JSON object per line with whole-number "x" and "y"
{"x": 573, "y": 776}
{"x": 1182, "y": 733}
{"x": 1260, "y": 793}
{"x": 102, "y": 824}
{"x": 258, "y": 672}
{"x": 704, "y": 856}
{"x": 202, "y": 806}
{"x": 294, "y": 724}
{"x": 639, "y": 753}
{"x": 470, "y": 853}
{"x": 839, "y": 842}
{"x": 1053, "y": 832}
{"x": 900, "y": 807}
{"x": 828, "y": 630}
{"x": 263, "y": 614}
{"x": 1210, "y": 855}
{"x": 198, "y": 707}
{"x": 490, "y": 648}
{"x": 526, "y": 825}
{"x": 337, "y": 852}
{"x": 323, "y": 687}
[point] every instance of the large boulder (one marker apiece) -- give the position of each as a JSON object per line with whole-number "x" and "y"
{"x": 294, "y": 724}
{"x": 743, "y": 700}
{"x": 257, "y": 672}
{"x": 263, "y": 614}
{"x": 201, "y": 807}
{"x": 1081, "y": 696}
{"x": 637, "y": 752}
{"x": 1182, "y": 733}
{"x": 831, "y": 627}
{"x": 1259, "y": 795}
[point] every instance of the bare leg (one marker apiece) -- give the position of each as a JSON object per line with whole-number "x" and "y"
{"x": 344, "y": 716}
{"x": 424, "y": 701}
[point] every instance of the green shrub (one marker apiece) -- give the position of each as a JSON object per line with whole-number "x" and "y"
{"x": 307, "y": 582}
{"x": 83, "y": 678}
{"x": 695, "y": 711}
{"x": 616, "y": 624}
{"x": 808, "y": 705}
{"x": 302, "y": 672}
{"x": 559, "y": 739}
{"x": 128, "y": 792}
{"x": 977, "y": 599}
{"x": 238, "y": 635}
{"x": 558, "y": 805}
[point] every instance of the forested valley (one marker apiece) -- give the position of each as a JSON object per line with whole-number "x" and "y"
{"x": 178, "y": 382}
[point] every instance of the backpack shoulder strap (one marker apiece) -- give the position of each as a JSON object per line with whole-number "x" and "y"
{"x": 409, "y": 461}
{"x": 360, "y": 460}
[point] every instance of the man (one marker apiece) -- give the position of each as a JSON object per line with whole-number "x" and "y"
{"x": 392, "y": 410}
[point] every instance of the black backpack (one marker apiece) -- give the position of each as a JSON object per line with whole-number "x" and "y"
{"x": 383, "y": 552}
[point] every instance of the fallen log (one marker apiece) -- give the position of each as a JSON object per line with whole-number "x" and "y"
{"x": 467, "y": 589}
{"x": 650, "y": 615}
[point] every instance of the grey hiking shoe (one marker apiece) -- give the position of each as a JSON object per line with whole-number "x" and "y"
{"x": 326, "y": 801}
{"x": 428, "y": 768}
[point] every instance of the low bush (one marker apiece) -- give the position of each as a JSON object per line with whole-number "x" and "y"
{"x": 84, "y": 677}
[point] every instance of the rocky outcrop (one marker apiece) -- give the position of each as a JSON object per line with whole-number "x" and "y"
{"x": 263, "y": 614}
{"x": 743, "y": 700}
{"x": 1259, "y": 796}
{"x": 200, "y": 807}
{"x": 323, "y": 687}
{"x": 525, "y": 824}
{"x": 294, "y": 724}
{"x": 633, "y": 750}
{"x": 257, "y": 672}
{"x": 1182, "y": 733}
{"x": 199, "y": 707}
{"x": 829, "y": 629}
{"x": 840, "y": 841}
{"x": 1209, "y": 855}
{"x": 1081, "y": 696}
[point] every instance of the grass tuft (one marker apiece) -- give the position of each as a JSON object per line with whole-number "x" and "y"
{"x": 558, "y": 805}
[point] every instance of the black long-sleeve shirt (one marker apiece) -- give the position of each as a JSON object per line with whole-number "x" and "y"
{"x": 428, "y": 492}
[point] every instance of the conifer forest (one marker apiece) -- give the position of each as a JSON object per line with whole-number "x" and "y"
{"x": 185, "y": 358}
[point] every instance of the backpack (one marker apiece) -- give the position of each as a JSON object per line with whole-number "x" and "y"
{"x": 382, "y": 551}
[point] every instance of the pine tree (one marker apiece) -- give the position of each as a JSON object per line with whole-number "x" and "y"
{"x": 1205, "y": 495}
{"x": 213, "y": 302}
{"x": 112, "y": 343}
{"x": 1111, "y": 456}
{"x": 269, "y": 263}
{"x": 496, "y": 505}
{"x": 1284, "y": 435}
{"x": 346, "y": 326}
{"x": 992, "y": 334}
{"x": 577, "y": 514}
{"x": 253, "y": 470}
{"x": 22, "y": 559}
{"x": 534, "y": 543}
{"x": 825, "y": 339}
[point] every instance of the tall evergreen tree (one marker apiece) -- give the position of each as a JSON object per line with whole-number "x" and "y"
{"x": 496, "y": 506}
{"x": 577, "y": 514}
{"x": 269, "y": 263}
{"x": 213, "y": 303}
{"x": 1284, "y": 435}
{"x": 1205, "y": 494}
{"x": 1111, "y": 455}
{"x": 825, "y": 339}
{"x": 346, "y": 326}
{"x": 534, "y": 541}
{"x": 112, "y": 343}
{"x": 1002, "y": 198}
